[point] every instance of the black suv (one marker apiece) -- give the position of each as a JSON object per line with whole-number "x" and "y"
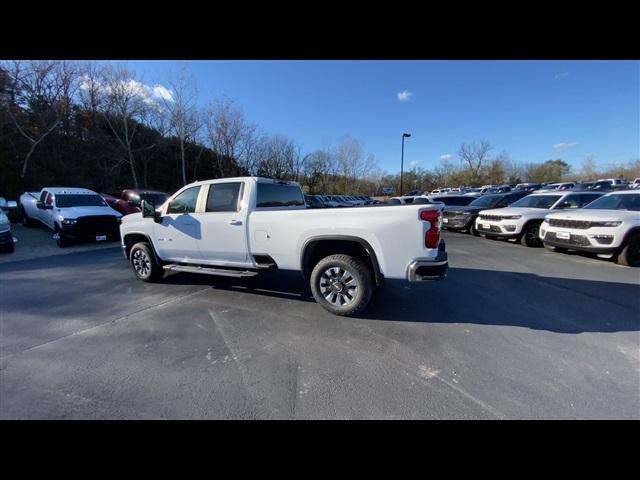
{"x": 464, "y": 218}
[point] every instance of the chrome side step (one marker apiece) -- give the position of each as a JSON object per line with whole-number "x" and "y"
{"x": 210, "y": 271}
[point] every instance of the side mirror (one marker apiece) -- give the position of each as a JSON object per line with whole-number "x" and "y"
{"x": 43, "y": 206}
{"x": 149, "y": 211}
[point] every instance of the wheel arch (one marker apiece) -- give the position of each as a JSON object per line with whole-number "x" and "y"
{"x": 316, "y": 248}
{"x": 131, "y": 238}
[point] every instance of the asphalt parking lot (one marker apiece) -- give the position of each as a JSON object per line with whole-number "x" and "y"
{"x": 512, "y": 333}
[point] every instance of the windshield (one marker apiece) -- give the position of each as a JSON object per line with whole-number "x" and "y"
{"x": 66, "y": 201}
{"x": 489, "y": 201}
{"x": 537, "y": 201}
{"x": 617, "y": 202}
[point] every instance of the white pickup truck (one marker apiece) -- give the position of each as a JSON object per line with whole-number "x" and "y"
{"x": 72, "y": 213}
{"x": 243, "y": 226}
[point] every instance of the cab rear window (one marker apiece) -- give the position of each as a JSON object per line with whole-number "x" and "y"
{"x": 279, "y": 195}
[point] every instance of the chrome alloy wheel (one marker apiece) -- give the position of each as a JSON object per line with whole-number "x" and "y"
{"x": 338, "y": 286}
{"x": 141, "y": 263}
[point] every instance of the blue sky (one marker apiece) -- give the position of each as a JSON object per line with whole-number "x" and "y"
{"x": 524, "y": 107}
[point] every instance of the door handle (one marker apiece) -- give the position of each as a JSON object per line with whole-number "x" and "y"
{"x": 235, "y": 222}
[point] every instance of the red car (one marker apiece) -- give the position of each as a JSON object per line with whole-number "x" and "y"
{"x": 129, "y": 201}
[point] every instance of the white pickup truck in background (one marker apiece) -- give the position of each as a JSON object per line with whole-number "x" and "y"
{"x": 72, "y": 213}
{"x": 243, "y": 226}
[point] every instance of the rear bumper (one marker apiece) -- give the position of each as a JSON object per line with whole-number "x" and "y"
{"x": 423, "y": 269}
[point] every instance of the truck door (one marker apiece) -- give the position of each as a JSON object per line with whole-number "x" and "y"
{"x": 178, "y": 235}
{"x": 48, "y": 215}
{"x": 224, "y": 226}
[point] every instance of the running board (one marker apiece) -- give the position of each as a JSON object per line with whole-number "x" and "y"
{"x": 210, "y": 271}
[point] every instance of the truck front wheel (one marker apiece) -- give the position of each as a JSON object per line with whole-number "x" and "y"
{"x": 342, "y": 284}
{"x": 144, "y": 263}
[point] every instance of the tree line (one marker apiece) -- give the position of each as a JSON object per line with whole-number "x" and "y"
{"x": 97, "y": 125}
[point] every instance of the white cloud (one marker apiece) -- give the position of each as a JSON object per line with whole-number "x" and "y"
{"x": 404, "y": 96}
{"x": 561, "y": 147}
{"x": 161, "y": 92}
{"x": 446, "y": 156}
{"x": 147, "y": 93}
{"x": 414, "y": 163}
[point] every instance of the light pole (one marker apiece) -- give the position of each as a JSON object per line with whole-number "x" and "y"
{"x": 404, "y": 135}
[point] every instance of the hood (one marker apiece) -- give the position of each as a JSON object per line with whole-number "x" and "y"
{"x": 462, "y": 209}
{"x": 76, "y": 212}
{"x": 595, "y": 214}
{"x": 510, "y": 211}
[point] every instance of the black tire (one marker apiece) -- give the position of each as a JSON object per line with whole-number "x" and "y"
{"x": 61, "y": 239}
{"x": 629, "y": 256}
{"x": 555, "y": 249}
{"x": 28, "y": 221}
{"x": 473, "y": 230}
{"x": 144, "y": 263}
{"x": 342, "y": 278}
{"x": 530, "y": 237}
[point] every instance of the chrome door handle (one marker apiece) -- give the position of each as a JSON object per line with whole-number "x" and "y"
{"x": 235, "y": 222}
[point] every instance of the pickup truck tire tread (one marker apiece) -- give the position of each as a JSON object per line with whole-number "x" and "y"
{"x": 144, "y": 263}
{"x": 352, "y": 266}
{"x": 61, "y": 239}
{"x": 629, "y": 256}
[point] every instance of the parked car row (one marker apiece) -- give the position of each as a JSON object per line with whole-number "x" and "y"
{"x": 336, "y": 201}
{"x": 607, "y": 224}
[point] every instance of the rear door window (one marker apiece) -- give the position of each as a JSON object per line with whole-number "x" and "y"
{"x": 224, "y": 197}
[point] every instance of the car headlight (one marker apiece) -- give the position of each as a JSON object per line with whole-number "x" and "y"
{"x": 513, "y": 217}
{"x": 546, "y": 220}
{"x": 606, "y": 224}
{"x": 69, "y": 221}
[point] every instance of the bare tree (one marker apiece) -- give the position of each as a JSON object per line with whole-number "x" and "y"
{"x": 182, "y": 112}
{"x": 40, "y": 98}
{"x": 588, "y": 166}
{"x": 279, "y": 157}
{"x": 127, "y": 106}
{"x": 475, "y": 155}
{"x": 229, "y": 134}
{"x": 352, "y": 161}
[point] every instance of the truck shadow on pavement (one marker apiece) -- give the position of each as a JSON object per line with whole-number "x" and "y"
{"x": 472, "y": 296}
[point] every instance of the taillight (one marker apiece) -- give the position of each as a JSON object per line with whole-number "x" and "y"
{"x": 432, "y": 236}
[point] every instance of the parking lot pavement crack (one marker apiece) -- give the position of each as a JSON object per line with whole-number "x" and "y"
{"x": 117, "y": 320}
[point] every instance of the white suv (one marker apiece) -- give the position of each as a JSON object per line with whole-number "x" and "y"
{"x": 522, "y": 219}
{"x": 610, "y": 226}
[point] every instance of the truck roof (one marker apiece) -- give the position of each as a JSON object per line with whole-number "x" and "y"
{"x": 237, "y": 179}
{"x": 69, "y": 191}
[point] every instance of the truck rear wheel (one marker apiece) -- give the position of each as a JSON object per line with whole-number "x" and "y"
{"x": 61, "y": 239}
{"x": 144, "y": 263}
{"x": 629, "y": 256}
{"x": 342, "y": 284}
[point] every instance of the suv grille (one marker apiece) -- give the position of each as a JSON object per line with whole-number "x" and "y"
{"x": 495, "y": 218}
{"x": 577, "y": 224}
{"x": 577, "y": 240}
